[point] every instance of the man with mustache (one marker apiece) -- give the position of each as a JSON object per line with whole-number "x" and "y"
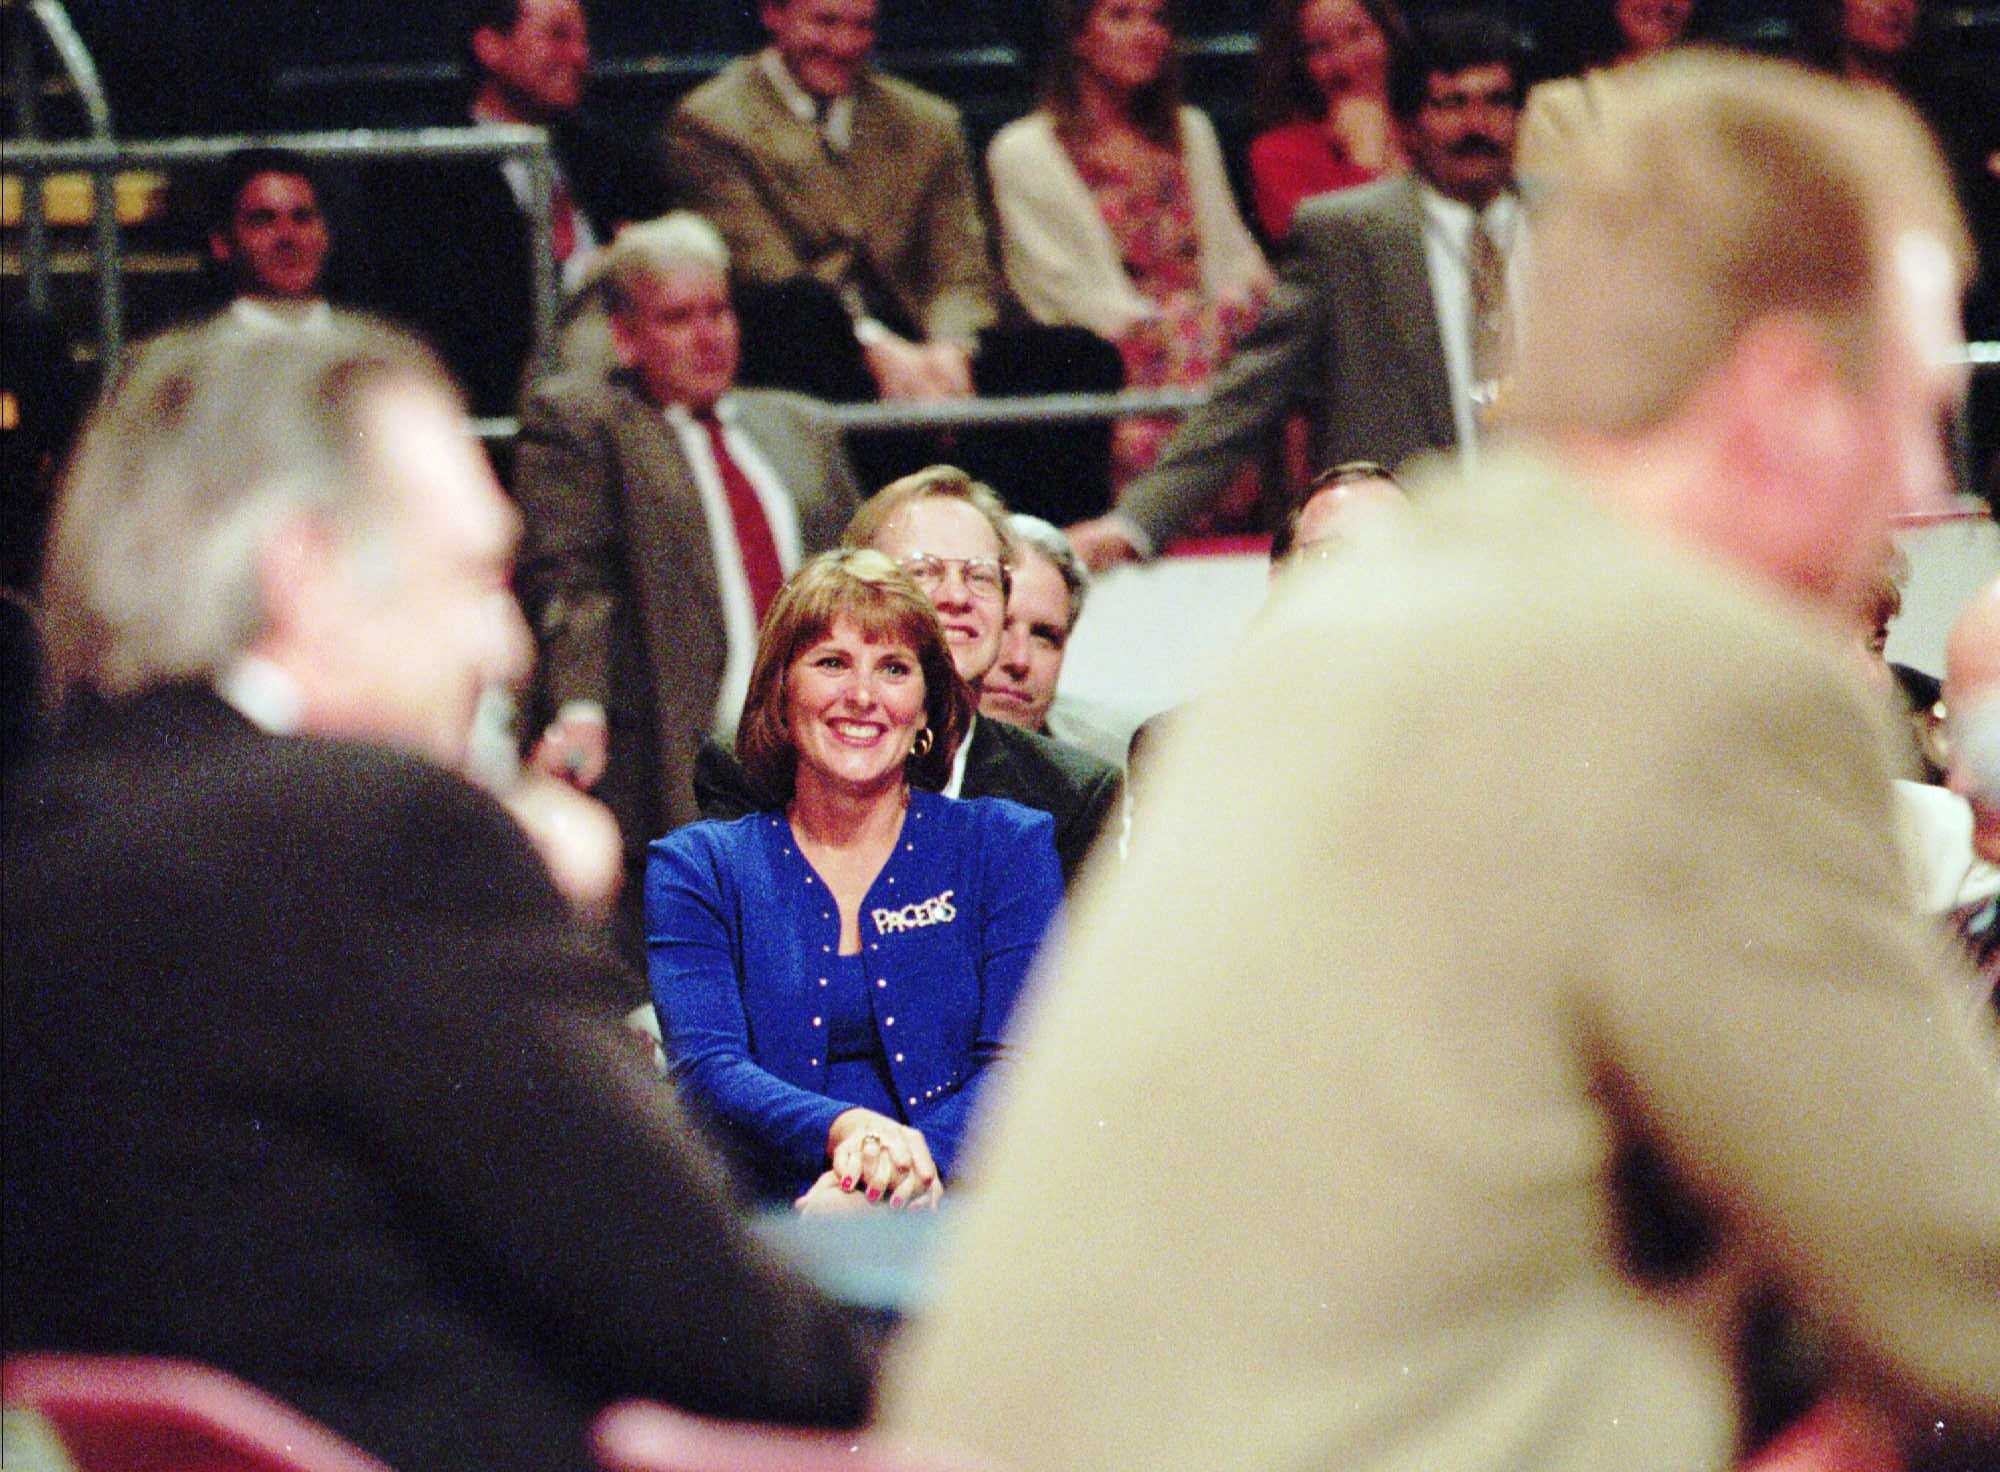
{"x": 1390, "y": 316}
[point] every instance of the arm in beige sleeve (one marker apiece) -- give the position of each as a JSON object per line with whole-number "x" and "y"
{"x": 1774, "y": 1014}
{"x": 1232, "y": 262}
{"x": 959, "y": 271}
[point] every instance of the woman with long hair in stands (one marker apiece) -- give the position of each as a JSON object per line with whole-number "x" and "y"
{"x": 1321, "y": 103}
{"x": 1116, "y": 213}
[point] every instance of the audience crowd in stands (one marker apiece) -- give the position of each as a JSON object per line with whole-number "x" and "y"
{"x": 664, "y": 507}
{"x": 1538, "y": 829}
{"x": 949, "y": 533}
{"x": 1390, "y": 316}
{"x": 823, "y": 172}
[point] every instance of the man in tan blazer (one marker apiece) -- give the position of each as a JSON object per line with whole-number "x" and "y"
{"x": 634, "y": 568}
{"x": 832, "y": 181}
{"x": 1552, "y": 840}
{"x": 814, "y": 164}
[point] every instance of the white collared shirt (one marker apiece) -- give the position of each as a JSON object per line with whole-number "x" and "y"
{"x": 1447, "y": 235}
{"x": 837, "y": 128}
{"x": 739, "y": 616}
{"x": 514, "y": 169}
{"x": 956, "y": 781}
{"x": 312, "y": 316}
{"x": 263, "y": 694}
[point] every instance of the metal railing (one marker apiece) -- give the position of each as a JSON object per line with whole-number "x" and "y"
{"x": 103, "y": 157}
{"x": 89, "y": 87}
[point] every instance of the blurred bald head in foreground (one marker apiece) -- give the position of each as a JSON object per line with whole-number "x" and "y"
{"x": 1745, "y": 290}
{"x": 1520, "y": 953}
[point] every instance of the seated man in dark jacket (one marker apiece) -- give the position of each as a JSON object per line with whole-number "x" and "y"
{"x": 309, "y": 1071}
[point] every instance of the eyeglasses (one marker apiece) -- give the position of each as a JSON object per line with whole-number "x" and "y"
{"x": 984, "y": 577}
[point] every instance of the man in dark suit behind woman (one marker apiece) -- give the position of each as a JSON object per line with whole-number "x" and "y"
{"x": 309, "y": 1075}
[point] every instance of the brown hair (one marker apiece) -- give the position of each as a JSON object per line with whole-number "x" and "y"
{"x": 1283, "y": 90}
{"x": 1156, "y": 107}
{"x": 863, "y": 585}
{"x": 1714, "y": 190}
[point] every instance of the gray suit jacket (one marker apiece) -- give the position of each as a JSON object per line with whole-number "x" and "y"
{"x": 898, "y": 211}
{"x": 619, "y": 578}
{"x": 1349, "y": 332}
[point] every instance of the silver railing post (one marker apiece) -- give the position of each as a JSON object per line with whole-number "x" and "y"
{"x": 76, "y": 60}
{"x": 27, "y": 120}
{"x": 103, "y": 157}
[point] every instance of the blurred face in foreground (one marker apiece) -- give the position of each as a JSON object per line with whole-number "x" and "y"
{"x": 1903, "y": 420}
{"x": 408, "y": 622}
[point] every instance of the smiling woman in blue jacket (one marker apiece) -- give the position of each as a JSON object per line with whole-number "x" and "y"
{"x": 834, "y": 976}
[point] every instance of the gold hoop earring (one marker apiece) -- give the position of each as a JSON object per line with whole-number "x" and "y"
{"x": 921, "y": 747}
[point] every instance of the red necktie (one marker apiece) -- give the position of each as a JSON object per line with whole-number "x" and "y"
{"x": 761, "y": 566}
{"x": 562, "y": 221}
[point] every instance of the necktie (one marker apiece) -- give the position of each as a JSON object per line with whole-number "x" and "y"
{"x": 1488, "y": 270}
{"x": 761, "y": 565}
{"x": 833, "y": 143}
{"x": 562, "y": 221}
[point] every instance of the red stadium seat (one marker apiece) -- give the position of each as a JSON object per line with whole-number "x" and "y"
{"x": 1836, "y": 1435}
{"x": 117, "y": 1414}
{"x": 643, "y": 1436}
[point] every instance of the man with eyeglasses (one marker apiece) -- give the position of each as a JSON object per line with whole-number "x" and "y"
{"x": 949, "y": 532}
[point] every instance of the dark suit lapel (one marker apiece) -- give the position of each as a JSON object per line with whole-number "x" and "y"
{"x": 1396, "y": 245}
{"x": 988, "y": 763}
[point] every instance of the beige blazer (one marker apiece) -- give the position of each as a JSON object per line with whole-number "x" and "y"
{"x": 1061, "y": 260}
{"x": 899, "y": 206}
{"x": 1532, "y": 841}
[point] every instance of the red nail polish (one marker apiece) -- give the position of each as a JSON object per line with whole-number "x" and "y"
{"x": 847, "y": 1183}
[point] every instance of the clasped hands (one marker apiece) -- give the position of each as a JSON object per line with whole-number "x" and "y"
{"x": 873, "y": 1159}
{"x": 919, "y": 370}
